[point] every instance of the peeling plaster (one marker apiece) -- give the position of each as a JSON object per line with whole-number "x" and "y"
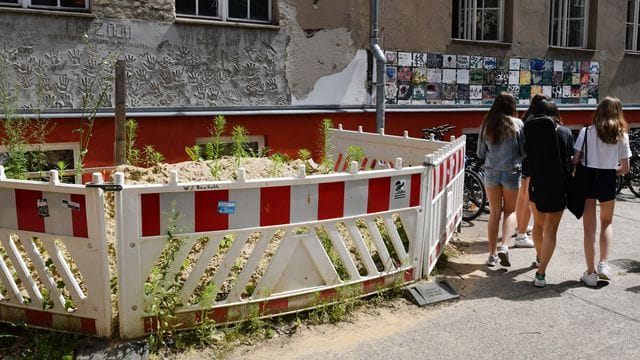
{"x": 345, "y": 87}
{"x": 311, "y": 58}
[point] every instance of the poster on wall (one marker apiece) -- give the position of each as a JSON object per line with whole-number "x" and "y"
{"x": 427, "y": 78}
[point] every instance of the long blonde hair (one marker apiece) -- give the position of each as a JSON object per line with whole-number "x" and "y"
{"x": 609, "y": 120}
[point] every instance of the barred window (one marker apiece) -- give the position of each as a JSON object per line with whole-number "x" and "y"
{"x": 633, "y": 18}
{"x": 48, "y": 4}
{"x": 226, "y": 10}
{"x": 478, "y": 19}
{"x": 569, "y": 21}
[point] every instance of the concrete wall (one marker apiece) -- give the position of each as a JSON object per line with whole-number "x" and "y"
{"x": 154, "y": 10}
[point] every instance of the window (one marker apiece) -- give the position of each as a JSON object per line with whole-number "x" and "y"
{"x": 478, "y": 19}
{"x": 226, "y": 10}
{"x": 49, "y": 4}
{"x": 255, "y": 145}
{"x": 569, "y": 23}
{"x": 633, "y": 18}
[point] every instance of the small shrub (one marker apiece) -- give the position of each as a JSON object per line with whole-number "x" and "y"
{"x": 151, "y": 156}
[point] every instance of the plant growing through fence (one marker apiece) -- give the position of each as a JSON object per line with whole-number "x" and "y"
{"x": 326, "y": 146}
{"x": 164, "y": 287}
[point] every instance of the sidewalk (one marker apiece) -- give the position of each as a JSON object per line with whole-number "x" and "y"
{"x": 501, "y": 315}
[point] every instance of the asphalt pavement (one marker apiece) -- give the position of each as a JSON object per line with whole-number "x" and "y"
{"x": 501, "y": 315}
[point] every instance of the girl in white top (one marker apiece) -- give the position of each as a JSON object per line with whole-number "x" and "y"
{"x": 607, "y": 155}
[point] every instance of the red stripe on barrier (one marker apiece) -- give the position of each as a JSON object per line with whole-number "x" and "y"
{"x": 363, "y": 166}
{"x": 27, "y": 210}
{"x": 438, "y": 248}
{"x": 336, "y": 166}
{"x": 79, "y": 216}
{"x": 434, "y": 183}
{"x": 328, "y": 294}
{"x": 441, "y": 183}
{"x": 414, "y": 197}
{"x": 275, "y": 205}
{"x": 274, "y": 306}
{"x": 379, "y": 193}
{"x": 330, "y": 200}
{"x": 88, "y": 326}
{"x": 372, "y": 285}
{"x": 38, "y": 318}
{"x": 207, "y": 217}
{"x": 408, "y": 275}
{"x": 150, "y": 211}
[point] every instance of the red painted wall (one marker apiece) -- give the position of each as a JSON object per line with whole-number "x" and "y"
{"x": 283, "y": 133}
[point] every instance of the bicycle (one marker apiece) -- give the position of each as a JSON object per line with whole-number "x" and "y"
{"x": 632, "y": 179}
{"x": 474, "y": 199}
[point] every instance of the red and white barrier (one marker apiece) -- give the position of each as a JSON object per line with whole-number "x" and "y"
{"x": 55, "y": 272}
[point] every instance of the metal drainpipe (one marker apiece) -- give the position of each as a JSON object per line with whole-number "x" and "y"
{"x": 378, "y": 54}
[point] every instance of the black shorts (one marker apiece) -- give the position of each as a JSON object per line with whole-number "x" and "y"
{"x": 601, "y": 184}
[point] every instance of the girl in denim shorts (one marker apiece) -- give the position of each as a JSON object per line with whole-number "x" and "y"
{"x": 501, "y": 145}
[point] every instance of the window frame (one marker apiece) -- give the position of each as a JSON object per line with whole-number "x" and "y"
{"x": 562, "y": 37}
{"x": 223, "y": 11}
{"x": 26, "y": 4}
{"x": 467, "y": 21}
{"x": 635, "y": 23}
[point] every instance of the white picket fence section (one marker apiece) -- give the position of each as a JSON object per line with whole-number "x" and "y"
{"x": 229, "y": 250}
{"x": 53, "y": 265}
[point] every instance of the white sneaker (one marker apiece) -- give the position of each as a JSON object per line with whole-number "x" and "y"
{"x": 603, "y": 271}
{"x": 590, "y": 279}
{"x": 503, "y": 254}
{"x": 539, "y": 280}
{"x": 492, "y": 260}
{"x": 523, "y": 242}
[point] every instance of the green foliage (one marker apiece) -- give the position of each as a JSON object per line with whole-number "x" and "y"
{"x": 209, "y": 151}
{"x": 354, "y": 153}
{"x": 326, "y": 145}
{"x": 164, "y": 287}
{"x": 151, "y": 156}
{"x": 193, "y": 152}
{"x": 240, "y": 143}
{"x": 49, "y": 345}
{"x": 304, "y": 154}
{"x": 325, "y": 240}
{"x": 217, "y": 131}
{"x": 132, "y": 154}
{"x": 278, "y": 160}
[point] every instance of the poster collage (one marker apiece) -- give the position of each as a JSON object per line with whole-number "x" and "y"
{"x": 426, "y": 78}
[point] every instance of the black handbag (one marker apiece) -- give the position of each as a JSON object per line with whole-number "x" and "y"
{"x": 578, "y": 184}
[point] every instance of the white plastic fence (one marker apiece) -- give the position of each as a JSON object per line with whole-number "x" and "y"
{"x": 229, "y": 250}
{"x": 53, "y": 256}
{"x": 445, "y": 178}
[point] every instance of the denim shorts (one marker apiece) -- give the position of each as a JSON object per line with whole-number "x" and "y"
{"x": 508, "y": 179}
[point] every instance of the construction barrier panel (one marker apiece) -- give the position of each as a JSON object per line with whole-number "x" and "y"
{"x": 229, "y": 250}
{"x": 53, "y": 265}
{"x": 444, "y": 177}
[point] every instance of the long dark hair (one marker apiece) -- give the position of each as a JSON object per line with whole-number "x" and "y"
{"x": 609, "y": 120}
{"x": 497, "y": 125}
{"x": 546, "y": 108}
{"x": 534, "y": 101}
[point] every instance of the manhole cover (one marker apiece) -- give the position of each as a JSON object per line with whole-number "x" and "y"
{"x": 430, "y": 293}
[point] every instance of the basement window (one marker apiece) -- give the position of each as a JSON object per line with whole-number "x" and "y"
{"x": 48, "y": 4}
{"x": 254, "y": 145}
{"x": 258, "y": 11}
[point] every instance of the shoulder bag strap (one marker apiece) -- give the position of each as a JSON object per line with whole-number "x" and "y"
{"x": 584, "y": 145}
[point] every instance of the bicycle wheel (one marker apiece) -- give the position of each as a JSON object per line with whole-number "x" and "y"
{"x": 474, "y": 196}
{"x": 634, "y": 176}
{"x": 620, "y": 181}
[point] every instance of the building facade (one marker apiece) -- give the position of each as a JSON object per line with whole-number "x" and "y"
{"x": 278, "y": 67}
